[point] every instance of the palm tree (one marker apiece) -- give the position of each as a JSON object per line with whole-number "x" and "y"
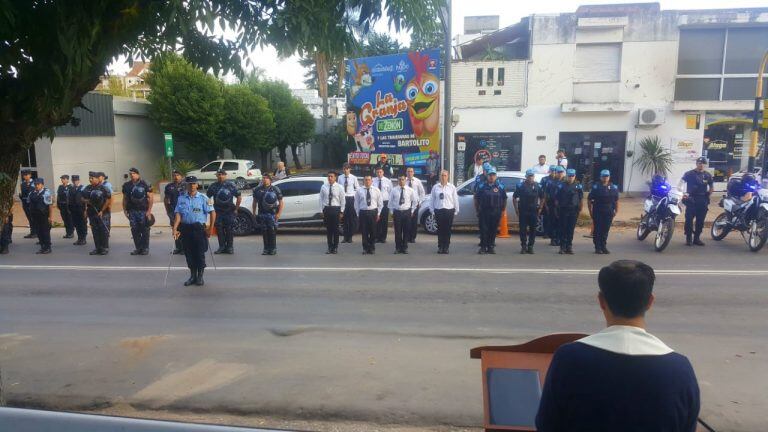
{"x": 654, "y": 157}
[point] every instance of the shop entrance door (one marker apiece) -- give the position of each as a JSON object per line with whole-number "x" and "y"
{"x": 591, "y": 152}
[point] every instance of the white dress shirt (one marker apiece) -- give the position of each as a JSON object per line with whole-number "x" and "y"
{"x": 450, "y": 198}
{"x": 361, "y": 203}
{"x": 409, "y": 198}
{"x": 563, "y": 162}
{"x": 418, "y": 187}
{"x": 384, "y": 185}
{"x": 541, "y": 169}
{"x": 337, "y": 196}
{"x": 477, "y": 170}
{"x": 351, "y": 184}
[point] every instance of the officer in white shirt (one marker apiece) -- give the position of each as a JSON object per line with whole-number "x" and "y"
{"x": 349, "y": 182}
{"x": 542, "y": 167}
{"x": 418, "y": 187}
{"x": 561, "y": 159}
{"x": 384, "y": 185}
{"x": 444, "y": 203}
{"x": 403, "y": 202}
{"x": 368, "y": 205}
{"x": 332, "y": 202}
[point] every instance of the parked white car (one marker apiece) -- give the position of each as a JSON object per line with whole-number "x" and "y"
{"x": 466, "y": 192}
{"x": 240, "y": 171}
{"x": 301, "y": 205}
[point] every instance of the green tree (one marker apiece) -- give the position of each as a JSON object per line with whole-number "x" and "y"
{"x": 187, "y": 102}
{"x": 248, "y": 123}
{"x": 302, "y": 129}
{"x": 281, "y": 103}
{"x": 115, "y": 87}
{"x": 53, "y": 52}
{"x": 429, "y": 38}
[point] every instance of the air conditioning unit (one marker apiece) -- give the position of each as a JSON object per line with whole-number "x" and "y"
{"x": 651, "y": 116}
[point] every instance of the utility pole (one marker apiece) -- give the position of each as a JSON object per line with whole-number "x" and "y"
{"x": 447, "y": 48}
{"x": 756, "y": 115}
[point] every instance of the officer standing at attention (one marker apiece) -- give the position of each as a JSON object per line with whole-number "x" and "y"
{"x": 62, "y": 202}
{"x": 603, "y": 206}
{"x": 270, "y": 204}
{"x": 172, "y": 192}
{"x": 222, "y": 192}
{"x": 384, "y": 185}
{"x": 568, "y": 204}
{"x": 368, "y": 205}
{"x": 490, "y": 203}
{"x": 137, "y": 206}
{"x": 443, "y": 202}
{"x": 97, "y": 199}
{"x": 333, "y": 203}
{"x": 191, "y": 212}
{"x": 40, "y": 206}
{"x": 26, "y": 187}
{"x": 77, "y": 210}
{"x": 699, "y": 186}
{"x": 552, "y": 187}
{"x": 403, "y": 200}
{"x": 414, "y": 183}
{"x": 528, "y": 199}
{"x": 349, "y": 182}
{"x": 549, "y": 205}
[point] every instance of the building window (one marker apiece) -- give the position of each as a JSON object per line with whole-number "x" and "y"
{"x": 497, "y": 92}
{"x": 719, "y": 64}
{"x": 597, "y": 63}
{"x": 490, "y": 77}
{"x": 481, "y": 92}
{"x": 500, "y": 78}
{"x": 479, "y": 77}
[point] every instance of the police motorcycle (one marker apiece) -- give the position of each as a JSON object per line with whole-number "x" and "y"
{"x": 659, "y": 212}
{"x": 749, "y": 217}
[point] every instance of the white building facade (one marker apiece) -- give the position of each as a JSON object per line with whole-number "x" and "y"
{"x": 597, "y": 82}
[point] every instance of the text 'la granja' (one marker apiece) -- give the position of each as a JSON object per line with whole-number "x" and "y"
{"x": 387, "y": 107}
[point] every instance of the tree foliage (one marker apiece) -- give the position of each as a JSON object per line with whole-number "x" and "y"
{"x": 248, "y": 123}
{"x": 654, "y": 157}
{"x": 187, "y": 102}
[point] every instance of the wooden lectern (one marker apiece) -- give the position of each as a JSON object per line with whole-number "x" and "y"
{"x": 513, "y": 377}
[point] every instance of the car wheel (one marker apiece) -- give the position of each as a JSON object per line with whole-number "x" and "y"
{"x": 241, "y": 183}
{"x": 244, "y": 223}
{"x": 429, "y": 222}
{"x": 540, "y": 226}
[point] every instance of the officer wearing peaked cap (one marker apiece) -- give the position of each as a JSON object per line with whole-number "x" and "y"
{"x": 190, "y": 216}
{"x": 97, "y": 199}
{"x": 172, "y": 192}
{"x": 491, "y": 200}
{"x": 77, "y": 210}
{"x": 568, "y": 203}
{"x": 527, "y": 200}
{"x": 603, "y": 206}
{"x": 137, "y": 206}
{"x": 223, "y": 192}
{"x": 40, "y": 205}
{"x": 63, "y": 192}
{"x": 26, "y": 187}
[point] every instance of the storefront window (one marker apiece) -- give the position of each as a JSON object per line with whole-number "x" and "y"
{"x": 727, "y": 141}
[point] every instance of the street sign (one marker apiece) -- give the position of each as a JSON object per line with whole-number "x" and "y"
{"x": 168, "y": 144}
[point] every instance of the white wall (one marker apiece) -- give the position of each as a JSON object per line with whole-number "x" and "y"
{"x": 464, "y": 89}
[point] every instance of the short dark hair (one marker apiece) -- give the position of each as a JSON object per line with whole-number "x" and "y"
{"x": 542, "y": 156}
{"x": 267, "y": 176}
{"x": 627, "y": 286}
{"x": 346, "y": 165}
{"x": 332, "y": 172}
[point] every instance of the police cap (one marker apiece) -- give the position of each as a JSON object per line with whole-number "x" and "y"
{"x": 26, "y": 172}
{"x": 133, "y": 170}
{"x": 221, "y": 171}
{"x": 190, "y": 179}
{"x": 93, "y": 174}
{"x": 176, "y": 172}
{"x": 492, "y": 171}
{"x": 559, "y": 169}
{"x": 553, "y": 168}
{"x": 64, "y": 176}
{"x": 701, "y": 160}
{"x": 570, "y": 172}
{"x": 605, "y": 173}
{"x": 75, "y": 177}
{"x": 529, "y": 173}
{"x": 39, "y": 180}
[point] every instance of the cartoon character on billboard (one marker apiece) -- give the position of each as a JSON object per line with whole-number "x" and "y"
{"x": 364, "y": 139}
{"x": 399, "y": 83}
{"x": 351, "y": 123}
{"x": 362, "y": 77}
{"x": 423, "y": 96}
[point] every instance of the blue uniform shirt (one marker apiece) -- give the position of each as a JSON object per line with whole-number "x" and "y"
{"x": 193, "y": 209}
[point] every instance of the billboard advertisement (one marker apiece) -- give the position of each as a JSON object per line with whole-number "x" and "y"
{"x": 502, "y": 150}
{"x": 393, "y": 108}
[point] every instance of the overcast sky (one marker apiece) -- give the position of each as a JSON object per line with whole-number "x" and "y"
{"x": 509, "y": 13}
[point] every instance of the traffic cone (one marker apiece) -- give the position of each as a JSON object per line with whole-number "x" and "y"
{"x": 503, "y": 227}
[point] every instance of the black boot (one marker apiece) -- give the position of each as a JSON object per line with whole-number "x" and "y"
{"x": 4, "y": 250}
{"x": 200, "y": 281}
{"x": 688, "y": 240}
{"x": 697, "y": 241}
{"x": 192, "y": 277}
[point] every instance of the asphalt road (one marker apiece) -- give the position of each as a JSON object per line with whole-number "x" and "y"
{"x": 379, "y": 339}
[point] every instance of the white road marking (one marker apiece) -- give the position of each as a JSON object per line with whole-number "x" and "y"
{"x": 559, "y": 271}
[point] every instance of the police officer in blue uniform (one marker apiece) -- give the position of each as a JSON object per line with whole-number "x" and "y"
{"x": 77, "y": 210}
{"x": 172, "y": 192}
{"x": 40, "y": 205}
{"x": 26, "y": 187}
{"x": 223, "y": 192}
{"x": 6, "y": 232}
{"x": 567, "y": 204}
{"x": 269, "y": 200}
{"x": 137, "y": 206}
{"x": 97, "y": 199}
{"x": 190, "y": 215}
{"x": 528, "y": 200}
{"x": 62, "y": 202}
{"x": 491, "y": 200}
{"x": 549, "y": 205}
{"x": 603, "y": 206}
{"x": 104, "y": 179}
{"x": 552, "y": 187}
{"x": 481, "y": 181}
{"x": 699, "y": 186}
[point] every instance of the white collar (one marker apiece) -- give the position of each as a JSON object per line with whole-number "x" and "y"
{"x": 627, "y": 340}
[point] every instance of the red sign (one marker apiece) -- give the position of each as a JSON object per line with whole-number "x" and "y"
{"x": 359, "y": 158}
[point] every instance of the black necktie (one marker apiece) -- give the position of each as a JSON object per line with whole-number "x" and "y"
{"x": 330, "y": 194}
{"x": 346, "y": 183}
{"x": 410, "y": 185}
{"x": 368, "y": 197}
{"x": 402, "y": 196}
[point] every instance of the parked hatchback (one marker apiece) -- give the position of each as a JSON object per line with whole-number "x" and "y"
{"x": 466, "y": 192}
{"x": 240, "y": 171}
{"x": 301, "y": 205}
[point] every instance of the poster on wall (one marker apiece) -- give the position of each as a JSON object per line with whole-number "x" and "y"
{"x": 393, "y": 108}
{"x": 502, "y": 150}
{"x": 683, "y": 151}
